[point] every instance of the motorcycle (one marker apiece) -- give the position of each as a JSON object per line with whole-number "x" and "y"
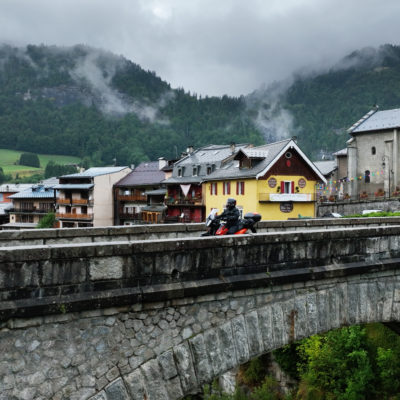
{"x": 217, "y": 228}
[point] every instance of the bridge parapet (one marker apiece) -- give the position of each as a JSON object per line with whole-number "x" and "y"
{"x": 37, "y": 279}
{"x": 159, "y": 318}
{"x": 37, "y": 237}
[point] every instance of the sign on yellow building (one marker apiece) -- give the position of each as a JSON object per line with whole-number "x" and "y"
{"x": 276, "y": 180}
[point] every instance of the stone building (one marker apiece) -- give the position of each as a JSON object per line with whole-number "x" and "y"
{"x": 372, "y": 154}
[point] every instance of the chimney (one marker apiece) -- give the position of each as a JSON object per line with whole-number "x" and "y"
{"x": 189, "y": 150}
{"x": 233, "y": 147}
{"x": 162, "y": 162}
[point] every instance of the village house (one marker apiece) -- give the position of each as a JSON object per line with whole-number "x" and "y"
{"x": 276, "y": 180}
{"x": 86, "y": 199}
{"x": 184, "y": 197}
{"x": 373, "y": 167}
{"x": 30, "y": 206}
{"x": 139, "y": 196}
{"x": 7, "y": 190}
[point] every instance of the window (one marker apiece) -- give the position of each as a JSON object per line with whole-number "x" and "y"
{"x": 214, "y": 188}
{"x": 209, "y": 170}
{"x": 287, "y": 186}
{"x": 239, "y": 188}
{"x": 181, "y": 171}
{"x": 227, "y": 188}
{"x": 373, "y": 150}
{"x": 367, "y": 176}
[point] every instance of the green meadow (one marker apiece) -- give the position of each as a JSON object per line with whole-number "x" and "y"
{"x": 9, "y": 162}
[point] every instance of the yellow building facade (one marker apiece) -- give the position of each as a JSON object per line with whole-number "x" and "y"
{"x": 278, "y": 182}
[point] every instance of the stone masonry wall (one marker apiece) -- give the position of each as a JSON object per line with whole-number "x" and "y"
{"x": 37, "y": 237}
{"x": 46, "y": 279}
{"x": 357, "y": 207}
{"x": 170, "y": 349}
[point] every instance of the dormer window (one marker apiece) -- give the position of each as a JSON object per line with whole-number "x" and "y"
{"x": 373, "y": 150}
{"x": 179, "y": 171}
{"x": 209, "y": 170}
{"x": 194, "y": 171}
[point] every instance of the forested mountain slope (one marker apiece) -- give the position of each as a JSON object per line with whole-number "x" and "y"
{"x": 90, "y": 103}
{"x": 324, "y": 105}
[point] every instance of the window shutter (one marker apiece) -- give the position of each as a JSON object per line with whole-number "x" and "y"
{"x": 237, "y": 187}
{"x": 282, "y": 187}
{"x": 242, "y": 187}
{"x": 216, "y": 188}
{"x": 292, "y": 186}
{"x": 211, "y": 187}
{"x": 229, "y": 188}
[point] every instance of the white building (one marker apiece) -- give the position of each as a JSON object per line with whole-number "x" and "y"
{"x": 86, "y": 199}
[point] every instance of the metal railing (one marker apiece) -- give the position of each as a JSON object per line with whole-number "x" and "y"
{"x": 178, "y": 201}
{"x": 363, "y": 196}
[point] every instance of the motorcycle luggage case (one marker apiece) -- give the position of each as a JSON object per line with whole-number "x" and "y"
{"x": 254, "y": 216}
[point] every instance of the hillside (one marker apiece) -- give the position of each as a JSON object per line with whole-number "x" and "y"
{"x": 89, "y": 103}
{"x": 327, "y": 104}
{"x": 92, "y": 104}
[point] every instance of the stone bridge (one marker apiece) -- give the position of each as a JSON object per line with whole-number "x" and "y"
{"x": 157, "y": 319}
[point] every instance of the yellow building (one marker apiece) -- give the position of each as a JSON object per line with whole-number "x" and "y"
{"x": 276, "y": 180}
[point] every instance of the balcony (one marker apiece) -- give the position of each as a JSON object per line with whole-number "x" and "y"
{"x": 34, "y": 210}
{"x": 63, "y": 201}
{"x": 73, "y": 201}
{"x": 132, "y": 197}
{"x": 178, "y": 201}
{"x": 74, "y": 216}
{"x": 131, "y": 216}
{"x": 281, "y": 197}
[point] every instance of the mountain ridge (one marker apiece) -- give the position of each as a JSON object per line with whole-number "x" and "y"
{"x": 96, "y": 105}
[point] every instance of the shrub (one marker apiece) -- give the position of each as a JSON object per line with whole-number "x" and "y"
{"x": 29, "y": 159}
{"x": 47, "y": 221}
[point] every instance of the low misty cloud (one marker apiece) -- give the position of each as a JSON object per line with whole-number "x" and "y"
{"x": 97, "y": 68}
{"x": 207, "y": 47}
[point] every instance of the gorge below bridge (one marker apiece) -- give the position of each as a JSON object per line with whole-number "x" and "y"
{"x": 156, "y": 312}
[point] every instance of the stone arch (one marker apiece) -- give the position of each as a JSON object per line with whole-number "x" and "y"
{"x": 288, "y": 315}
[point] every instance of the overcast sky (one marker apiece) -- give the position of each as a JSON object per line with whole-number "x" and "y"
{"x": 210, "y": 47}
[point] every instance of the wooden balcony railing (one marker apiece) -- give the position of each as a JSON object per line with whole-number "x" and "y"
{"x": 74, "y": 216}
{"x": 80, "y": 201}
{"x": 132, "y": 197}
{"x": 73, "y": 201}
{"x": 63, "y": 201}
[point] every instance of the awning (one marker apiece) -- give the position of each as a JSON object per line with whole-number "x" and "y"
{"x": 156, "y": 192}
{"x": 154, "y": 208}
